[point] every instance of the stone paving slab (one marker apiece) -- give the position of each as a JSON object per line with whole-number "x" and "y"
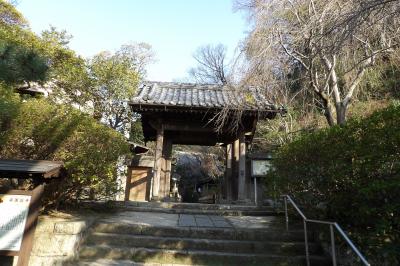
{"x": 203, "y": 221}
{"x": 222, "y": 224}
{"x": 251, "y": 222}
{"x": 200, "y": 216}
{"x": 189, "y": 220}
{"x": 144, "y": 218}
{"x": 186, "y": 220}
{"x": 217, "y": 217}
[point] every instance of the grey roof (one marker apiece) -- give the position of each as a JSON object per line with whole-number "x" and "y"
{"x": 172, "y": 94}
{"x": 26, "y": 168}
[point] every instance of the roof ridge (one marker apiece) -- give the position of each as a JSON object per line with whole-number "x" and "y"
{"x": 201, "y": 86}
{"x": 201, "y": 96}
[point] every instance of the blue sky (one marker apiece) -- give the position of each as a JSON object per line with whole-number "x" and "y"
{"x": 175, "y": 28}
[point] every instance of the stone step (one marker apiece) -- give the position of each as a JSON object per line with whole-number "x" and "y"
{"x": 184, "y": 208}
{"x": 222, "y": 212}
{"x": 148, "y": 255}
{"x": 180, "y": 243}
{"x": 257, "y": 234}
{"x": 200, "y": 206}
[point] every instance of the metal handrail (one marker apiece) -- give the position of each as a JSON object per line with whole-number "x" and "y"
{"x": 332, "y": 226}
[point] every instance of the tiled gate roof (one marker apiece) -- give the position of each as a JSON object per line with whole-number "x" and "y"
{"x": 171, "y": 94}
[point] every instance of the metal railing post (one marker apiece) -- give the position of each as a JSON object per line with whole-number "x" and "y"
{"x": 332, "y": 227}
{"x": 286, "y": 214}
{"x": 343, "y": 234}
{"x": 306, "y": 242}
{"x": 333, "y": 245}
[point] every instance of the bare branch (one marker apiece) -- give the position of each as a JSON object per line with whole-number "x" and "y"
{"x": 211, "y": 65}
{"x": 322, "y": 41}
{"x": 291, "y": 54}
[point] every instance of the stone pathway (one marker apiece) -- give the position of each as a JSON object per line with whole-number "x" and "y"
{"x": 144, "y": 218}
{"x": 252, "y": 222}
{"x": 190, "y": 220}
{"x": 203, "y": 221}
{"x": 143, "y": 238}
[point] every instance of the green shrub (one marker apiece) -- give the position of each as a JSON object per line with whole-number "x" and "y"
{"x": 39, "y": 130}
{"x": 349, "y": 174}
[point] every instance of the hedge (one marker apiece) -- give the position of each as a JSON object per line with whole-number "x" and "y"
{"x": 39, "y": 130}
{"x": 349, "y": 174}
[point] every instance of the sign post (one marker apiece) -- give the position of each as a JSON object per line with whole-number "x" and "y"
{"x": 12, "y": 225}
{"x": 259, "y": 168}
{"x": 17, "y": 226}
{"x": 19, "y": 209}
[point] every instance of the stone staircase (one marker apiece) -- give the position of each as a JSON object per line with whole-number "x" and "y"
{"x": 195, "y": 235}
{"x": 187, "y": 208}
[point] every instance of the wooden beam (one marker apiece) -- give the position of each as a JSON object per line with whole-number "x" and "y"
{"x": 242, "y": 195}
{"x": 188, "y": 124}
{"x": 188, "y": 127}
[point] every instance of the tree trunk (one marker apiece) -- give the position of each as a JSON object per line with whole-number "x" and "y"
{"x": 341, "y": 110}
{"x": 328, "y": 112}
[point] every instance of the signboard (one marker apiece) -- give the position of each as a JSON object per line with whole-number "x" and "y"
{"x": 14, "y": 212}
{"x": 260, "y": 167}
{"x": 19, "y": 209}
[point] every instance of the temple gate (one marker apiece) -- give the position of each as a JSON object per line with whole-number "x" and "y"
{"x": 184, "y": 113}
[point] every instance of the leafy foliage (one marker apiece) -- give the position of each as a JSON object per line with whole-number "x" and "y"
{"x": 20, "y": 64}
{"x": 100, "y": 85}
{"x": 37, "y": 129}
{"x": 21, "y": 57}
{"x": 9, "y": 16}
{"x": 352, "y": 175}
{"x": 54, "y": 129}
{"x": 114, "y": 80}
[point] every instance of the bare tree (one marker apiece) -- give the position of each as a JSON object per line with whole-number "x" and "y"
{"x": 333, "y": 42}
{"x": 212, "y": 66}
{"x": 139, "y": 55}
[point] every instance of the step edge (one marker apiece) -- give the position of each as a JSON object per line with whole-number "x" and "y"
{"x": 202, "y": 252}
{"x": 197, "y": 239}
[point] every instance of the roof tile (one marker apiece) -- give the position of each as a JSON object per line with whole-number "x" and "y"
{"x": 204, "y": 95}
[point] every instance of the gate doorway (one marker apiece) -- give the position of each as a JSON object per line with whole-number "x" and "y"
{"x": 185, "y": 114}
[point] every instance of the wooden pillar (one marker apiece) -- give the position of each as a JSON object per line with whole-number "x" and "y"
{"x": 242, "y": 195}
{"x": 161, "y": 192}
{"x": 228, "y": 172}
{"x": 158, "y": 163}
{"x": 167, "y": 154}
{"x": 235, "y": 169}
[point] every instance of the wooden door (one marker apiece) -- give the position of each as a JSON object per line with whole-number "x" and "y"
{"x": 138, "y": 184}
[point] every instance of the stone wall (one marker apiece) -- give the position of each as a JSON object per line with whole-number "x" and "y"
{"x": 57, "y": 238}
